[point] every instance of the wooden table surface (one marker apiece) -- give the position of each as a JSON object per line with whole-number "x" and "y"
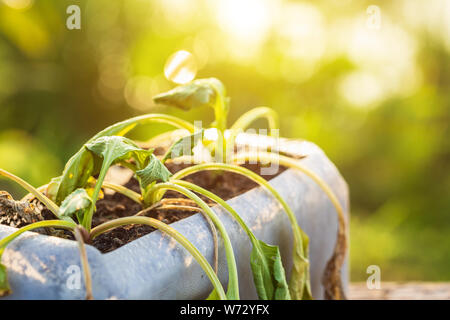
{"x": 401, "y": 291}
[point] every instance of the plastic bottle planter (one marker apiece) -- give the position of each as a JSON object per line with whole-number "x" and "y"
{"x": 154, "y": 267}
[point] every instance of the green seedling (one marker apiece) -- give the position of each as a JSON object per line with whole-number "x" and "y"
{"x": 299, "y": 285}
{"x": 204, "y": 92}
{"x": 268, "y": 271}
{"x": 211, "y": 92}
{"x": 267, "y": 268}
{"x": 105, "y": 151}
{"x": 269, "y": 275}
{"x": 81, "y": 165}
{"x": 152, "y": 175}
{"x": 76, "y": 205}
{"x": 108, "y": 147}
{"x": 332, "y": 276}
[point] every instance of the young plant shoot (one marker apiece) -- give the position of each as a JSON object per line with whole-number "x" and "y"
{"x": 265, "y": 260}
{"x": 72, "y": 197}
{"x": 218, "y": 289}
{"x": 109, "y": 150}
{"x": 299, "y": 285}
{"x": 79, "y": 202}
{"x": 203, "y": 92}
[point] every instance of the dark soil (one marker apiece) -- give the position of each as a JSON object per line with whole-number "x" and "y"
{"x": 225, "y": 184}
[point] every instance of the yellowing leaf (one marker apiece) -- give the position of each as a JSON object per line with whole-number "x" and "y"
{"x": 299, "y": 283}
{"x": 76, "y": 203}
{"x": 184, "y": 146}
{"x": 198, "y": 93}
{"x": 155, "y": 171}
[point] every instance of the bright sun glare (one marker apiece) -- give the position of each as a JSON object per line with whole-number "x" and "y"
{"x": 247, "y": 20}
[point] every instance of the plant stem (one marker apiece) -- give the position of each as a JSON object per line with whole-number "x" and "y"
{"x": 300, "y": 273}
{"x": 253, "y": 176}
{"x": 288, "y": 162}
{"x": 171, "y": 232}
{"x": 117, "y": 129}
{"x": 233, "y": 286}
{"x": 46, "y": 201}
{"x": 122, "y": 128}
{"x": 87, "y": 221}
{"x": 84, "y": 263}
{"x": 247, "y": 118}
{"x": 136, "y": 197}
{"x": 210, "y": 223}
{"x": 260, "y": 112}
{"x": 220, "y": 123}
{"x": 216, "y": 199}
{"x": 338, "y": 258}
{"x": 29, "y": 196}
{"x": 161, "y": 205}
{"x": 219, "y": 201}
{"x": 107, "y": 185}
{"x": 41, "y": 224}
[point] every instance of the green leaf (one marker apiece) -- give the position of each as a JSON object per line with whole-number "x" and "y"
{"x": 265, "y": 260}
{"x": 115, "y": 149}
{"x": 184, "y": 146}
{"x": 76, "y": 172}
{"x": 299, "y": 283}
{"x": 52, "y": 188}
{"x": 198, "y": 93}
{"x": 307, "y": 295}
{"x": 108, "y": 150}
{"x": 154, "y": 171}
{"x": 79, "y": 167}
{"x": 4, "y": 284}
{"x": 268, "y": 272}
{"x": 76, "y": 203}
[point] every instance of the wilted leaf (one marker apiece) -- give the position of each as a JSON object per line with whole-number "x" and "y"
{"x": 184, "y": 146}
{"x": 52, "y": 188}
{"x": 107, "y": 151}
{"x": 198, "y": 93}
{"x": 115, "y": 149}
{"x": 80, "y": 166}
{"x": 154, "y": 171}
{"x": 299, "y": 283}
{"x": 76, "y": 203}
{"x": 76, "y": 172}
{"x": 268, "y": 272}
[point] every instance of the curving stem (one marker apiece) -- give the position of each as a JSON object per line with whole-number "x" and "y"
{"x": 301, "y": 269}
{"x": 48, "y": 203}
{"x": 233, "y": 286}
{"x": 332, "y": 276}
{"x": 244, "y": 121}
{"x": 245, "y": 172}
{"x": 78, "y": 232}
{"x": 171, "y": 232}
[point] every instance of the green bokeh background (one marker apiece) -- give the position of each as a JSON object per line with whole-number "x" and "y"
{"x": 372, "y": 89}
